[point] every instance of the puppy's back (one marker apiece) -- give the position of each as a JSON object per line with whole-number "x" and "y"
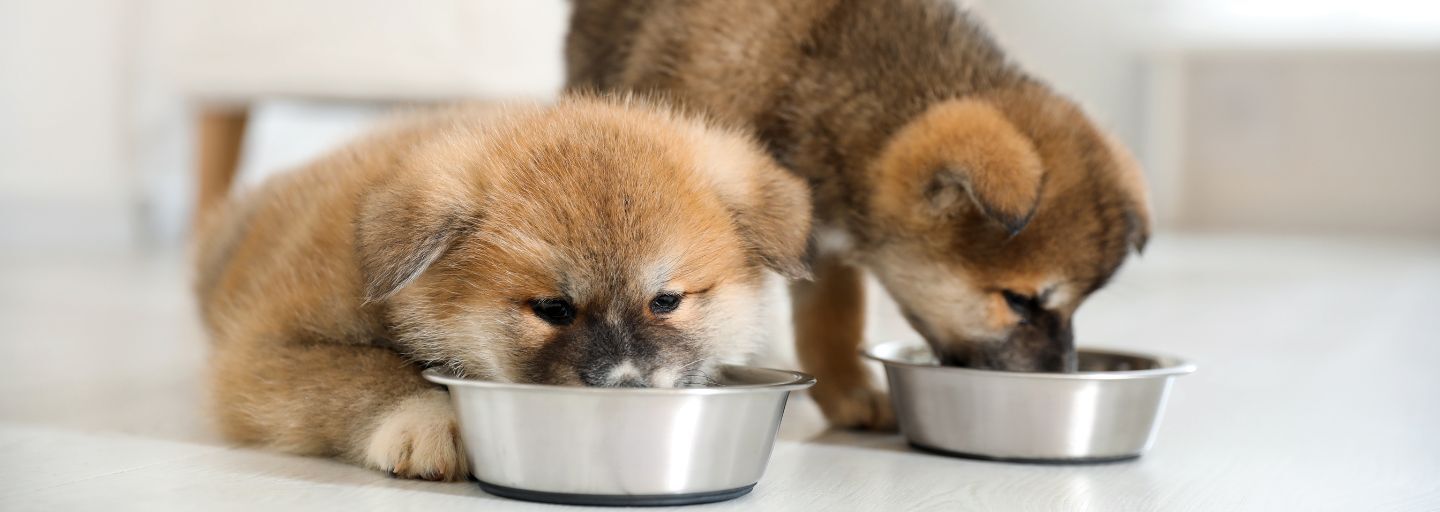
{"x": 282, "y": 255}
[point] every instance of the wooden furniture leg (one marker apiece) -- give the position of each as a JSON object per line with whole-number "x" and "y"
{"x": 221, "y": 131}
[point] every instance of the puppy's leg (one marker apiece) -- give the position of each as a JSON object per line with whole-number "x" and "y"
{"x": 829, "y": 318}
{"x": 364, "y": 404}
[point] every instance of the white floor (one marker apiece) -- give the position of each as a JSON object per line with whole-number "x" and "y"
{"x": 1318, "y": 389}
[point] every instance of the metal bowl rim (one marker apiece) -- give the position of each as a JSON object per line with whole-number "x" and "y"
{"x": 1170, "y": 366}
{"x": 797, "y": 381}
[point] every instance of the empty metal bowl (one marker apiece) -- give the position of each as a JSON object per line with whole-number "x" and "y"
{"x": 1107, "y": 411}
{"x": 622, "y": 446}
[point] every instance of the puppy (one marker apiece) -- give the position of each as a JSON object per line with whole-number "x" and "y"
{"x": 593, "y": 243}
{"x": 987, "y": 205}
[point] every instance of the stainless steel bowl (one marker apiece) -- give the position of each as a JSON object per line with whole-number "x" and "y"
{"x": 1107, "y": 411}
{"x": 622, "y": 446}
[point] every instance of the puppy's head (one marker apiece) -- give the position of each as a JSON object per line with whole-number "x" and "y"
{"x": 999, "y": 214}
{"x": 589, "y": 243}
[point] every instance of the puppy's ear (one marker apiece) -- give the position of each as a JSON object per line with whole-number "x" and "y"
{"x": 957, "y": 154}
{"x": 777, "y": 222}
{"x": 770, "y": 207}
{"x": 1130, "y": 179}
{"x": 400, "y": 232}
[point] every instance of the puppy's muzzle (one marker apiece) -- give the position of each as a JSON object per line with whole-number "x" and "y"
{"x": 1046, "y": 346}
{"x": 617, "y": 356}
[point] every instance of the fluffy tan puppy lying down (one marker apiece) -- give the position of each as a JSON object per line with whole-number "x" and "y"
{"x": 594, "y": 242}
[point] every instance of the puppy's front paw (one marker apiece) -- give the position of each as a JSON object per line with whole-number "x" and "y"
{"x": 419, "y": 439}
{"x": 860, "y": 407}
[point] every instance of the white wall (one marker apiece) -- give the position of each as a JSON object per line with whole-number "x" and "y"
{"x": 63, "y": 177}
{"x": 1313, "y": 141}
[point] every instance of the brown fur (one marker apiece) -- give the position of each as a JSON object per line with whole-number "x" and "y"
{"x": 327, "y": 290}
{"x": 944, "y": 169}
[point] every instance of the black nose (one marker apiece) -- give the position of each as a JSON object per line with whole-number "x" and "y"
{"x": 949, "y": 358}
{"x": 1029, "y": 351}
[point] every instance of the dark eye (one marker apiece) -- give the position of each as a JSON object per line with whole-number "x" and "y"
{"x": 555, "y": 311}
{"x": 664, "y": 303}
{"x": 1023, "y": 305}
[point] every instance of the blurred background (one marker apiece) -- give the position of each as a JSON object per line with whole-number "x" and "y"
{"x": 1314, "y": 116}
{"x": 1292, "y": 148}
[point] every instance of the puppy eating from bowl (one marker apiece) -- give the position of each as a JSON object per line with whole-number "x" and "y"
{"x": 595, "y": 242}
{"x": 988, "y": 205}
